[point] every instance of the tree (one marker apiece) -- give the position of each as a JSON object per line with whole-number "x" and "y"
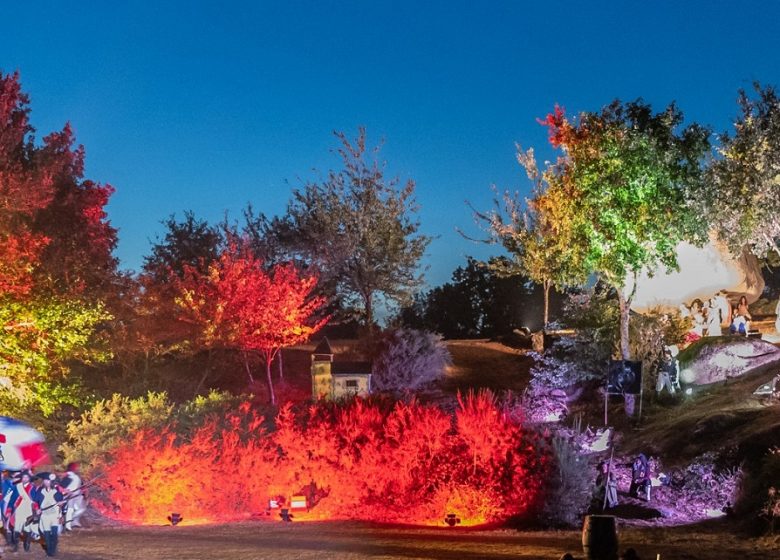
{"x": 55, "y": 252}
{"x": 236, "y": 303}
{"x": 38, "y": 338}
{"x": 78, "y": 257}
{"x": 25, "y": 189}
{"x": 743, "y": 194}
{"x": 538, "y": 239}
{"x": 187, "y": 243}
{"x": 484, "y": 299}
{"x": 624, "y": 190}
{"x": 356, "y": 228}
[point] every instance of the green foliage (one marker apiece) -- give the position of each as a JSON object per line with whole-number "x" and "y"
{"x": 627, "y": 183}
{"x": 112, "y": 421}
{"x": 743, "y": 194}
{"x": 593, "y": 314}
{"x": 190, "y": 242}
{"x": 357, "y": 228}
{"x": 624, "y": 191}
{"x": 38, "y": 338}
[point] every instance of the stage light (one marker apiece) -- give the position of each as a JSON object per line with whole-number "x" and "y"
{"x": 451, "y": 519}
{"x": 175, "y": 519}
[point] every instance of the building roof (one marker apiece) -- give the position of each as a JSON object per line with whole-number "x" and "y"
{"x": 323, "y": 347}
{"x": 350, "y": 368}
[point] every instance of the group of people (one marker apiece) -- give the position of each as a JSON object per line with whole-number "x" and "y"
{"x": 35, "y": 506}
{"x": 605, "y": 495}
{"x": 717, "y": 314}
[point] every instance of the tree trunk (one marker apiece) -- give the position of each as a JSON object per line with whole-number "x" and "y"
{"x": 625, "y": 309}
{"x": 248, "y": 369}
{"x": 268, "y": 361}
{"x": 281, "y": 365}
{"x": 206, "y": 371}
{"x": 368, "y": 303}
{"x": 547, "y": 284}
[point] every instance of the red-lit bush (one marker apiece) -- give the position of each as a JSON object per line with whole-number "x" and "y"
{"x": 371, "y": 460}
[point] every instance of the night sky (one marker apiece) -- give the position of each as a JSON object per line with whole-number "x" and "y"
{"x": 206, "y": 106}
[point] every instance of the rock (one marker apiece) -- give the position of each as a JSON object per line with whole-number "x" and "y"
{"x": 703, "y": 272}
{"x": 715, "y": 359}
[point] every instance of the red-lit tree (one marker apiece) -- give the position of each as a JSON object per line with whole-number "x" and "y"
{"x": 236, "y": 303}
{"x": 78, "y": 259}
{"x": 25, "y": 189}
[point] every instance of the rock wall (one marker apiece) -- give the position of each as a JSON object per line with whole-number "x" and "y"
{"x": 703, "y": 272}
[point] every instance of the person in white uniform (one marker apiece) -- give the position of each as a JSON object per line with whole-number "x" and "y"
{"x": 49, "y": 500}
{"x": 76, "y": 504}
{"x": 23, "y": 512}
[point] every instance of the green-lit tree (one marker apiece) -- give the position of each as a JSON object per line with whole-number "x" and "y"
{"x": 744, "y": 191}
{"x": 624, "y": 191}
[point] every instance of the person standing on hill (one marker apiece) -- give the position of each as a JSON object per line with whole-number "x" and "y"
{"x": 668, "y": 373}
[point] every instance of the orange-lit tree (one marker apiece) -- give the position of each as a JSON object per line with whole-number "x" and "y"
{"x": 237, "y": 304}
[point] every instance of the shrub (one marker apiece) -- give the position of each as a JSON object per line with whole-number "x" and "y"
{"x": 761, "y": 491}
{"x": 372, "y": 459}
{"x": 112, "y": 421}
{"x": 567, "y": 497}
{"x": 408, "y": 359}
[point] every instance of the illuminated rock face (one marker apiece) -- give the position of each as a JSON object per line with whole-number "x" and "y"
{"x": 720, "y": 358}
{"x": 704, "y": 271}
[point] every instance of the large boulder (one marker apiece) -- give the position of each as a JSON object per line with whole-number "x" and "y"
{"x": 718, "y": 358}
{"x": 703, "y": 272}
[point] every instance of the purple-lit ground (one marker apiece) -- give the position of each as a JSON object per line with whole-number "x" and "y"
{"x": 349, "y": 541}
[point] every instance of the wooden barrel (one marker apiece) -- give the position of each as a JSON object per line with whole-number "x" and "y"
{"x": 599, "y": 537}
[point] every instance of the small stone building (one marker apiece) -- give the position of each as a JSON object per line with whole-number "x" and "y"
{"x": 332, "y": 379}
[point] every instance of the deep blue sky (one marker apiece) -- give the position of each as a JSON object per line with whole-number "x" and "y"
{"x": 206, "y": 106}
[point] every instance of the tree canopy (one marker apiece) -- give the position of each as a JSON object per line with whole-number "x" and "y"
{"x": 358, "y": 230}
{"x": 624, "y": 190}
{"x": 743, "y": 192}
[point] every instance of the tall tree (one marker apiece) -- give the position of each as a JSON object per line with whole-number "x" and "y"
{"x": 78, "y": 259}
{"x": 358, "y": 230}
{"x": 26, "y": 188}
{"x": 45, "y": 323}
{"x": 744, "y": 190}
{"x": 624, "y": 189}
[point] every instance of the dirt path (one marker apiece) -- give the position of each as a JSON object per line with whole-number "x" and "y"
{"x": 348, "y": 540}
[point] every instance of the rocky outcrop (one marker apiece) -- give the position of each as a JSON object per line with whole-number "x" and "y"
{"x": 715, "y": 359}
